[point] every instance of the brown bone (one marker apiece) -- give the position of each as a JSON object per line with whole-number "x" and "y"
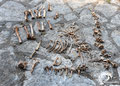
{"x": 26, "y": 30}
{"x": 31, "y": 13}
{"x": 32, "y": 32}
{"x": 49, "y": 7}
{"x": 36, "y": 13}
{"x": 50, "y": 26}
{"x": 18, "y": 35}
{"x": 26, "y": 15}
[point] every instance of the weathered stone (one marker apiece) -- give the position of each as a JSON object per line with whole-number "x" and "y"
{"x": 70, "y": 16}
{"x": 35, "y": 2}
{"x": 3, "y": 36}
{"x": 8, "y": 72}
{"x": 86, "y": 17}
{"x": 8, "y": 25}
{"x": 107, "y": 9}
{"x": 28, "y": 46}
{"x": 87, "y": 34}
{"x": 117, "y": 2}
{"x": 118, "y": 69}
{"x": 116, "y": 19}
{"x": 116, "y": 36}
{"x": 12, "y": 11}
{"x": 74, "y": 4}
{"x": 110, "y": 26}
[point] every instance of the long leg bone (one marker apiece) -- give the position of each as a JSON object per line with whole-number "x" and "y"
{"x": 49, "y": 7}
{"x": 36, "y": 13}
{"x": 38, "y": 24}
{"x": 44, "y": 13}
{"x": 32, "y": 32}
{"x": 50, "y": 26}
{"x": 31, "y": 13}
{"x": 26, "y": 30}
{"x": 26, "y": 15}
{"x": 18, "y": 35}
{"x": 39, "y": 13}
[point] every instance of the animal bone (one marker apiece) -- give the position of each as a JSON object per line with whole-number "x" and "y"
{"x": 33, "y": 66}
{"x": 42, "y": 27}
{"x": 32, "y": 32}
{"x": 38, "y": 24}
{"x": 22, "y": 65}
{"x": 26, "y": 30}
{"x": 18, "y": 35}
{"x": 39, "y": 13}
{"x": 26, "y": 15}
{"x": 36, "y": 13}
{"x": 50, "y": 26}
{"x": 31, "y": 13}
{"x": 44, "y": 13}
{"x": 49, "y": 7}
{"x": 55, "y": 62}
{"x": 56, "y": 15}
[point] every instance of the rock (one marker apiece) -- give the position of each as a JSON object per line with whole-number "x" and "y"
{"x": 8, "y": 25}
{"x": 3, "y": 36}
{"x": 118, "y": 69}
{"x": 70, "y": 16}
{"x": 87, "y": 34}
{"x": 110, "y": 26}
{"x": 12, "y": 11}
{"x": 35, "y": 2}
{"x": 117, "y": 2}
{"x": 40, "y": 77}
{"x": 116, "y": 36}
{"x": 107, "y": 9}
{"x": 8, "y": 72}
{"x": 116, "y": 19}
{"x": 86, "y": 17}
{"x": 28, "y": 46}
{"x": 74, "y": 4}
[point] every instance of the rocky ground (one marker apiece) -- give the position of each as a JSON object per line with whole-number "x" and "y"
{"x": 71, "y": 12}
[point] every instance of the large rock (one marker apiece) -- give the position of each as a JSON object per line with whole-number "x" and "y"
{"x": 107, "y": 9}
{"x": 12, "y": 11}
{"x": 116, "y": 37}
{"x": 116, "y": 19}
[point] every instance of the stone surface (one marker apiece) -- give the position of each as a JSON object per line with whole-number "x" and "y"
{"x": 118, "y": 72}
{"x": 15, "y": 13}
{"x": 106, "y": 9}
{"x": 70, "y": 16}
{"x": 74, "y": 13}
{"x": 116, "y": 37}
{"x": 116, "y": 19}
{"x": 86, "y": 17}
{"x": 3, "y": 36}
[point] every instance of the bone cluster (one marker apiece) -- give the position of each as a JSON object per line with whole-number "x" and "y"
{"x": 67, "y": 70}
{"x": 57, "y": 46}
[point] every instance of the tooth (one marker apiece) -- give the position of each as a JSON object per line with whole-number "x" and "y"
{"x": 42, "y": 27}
{"x": 39, "y": 13}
